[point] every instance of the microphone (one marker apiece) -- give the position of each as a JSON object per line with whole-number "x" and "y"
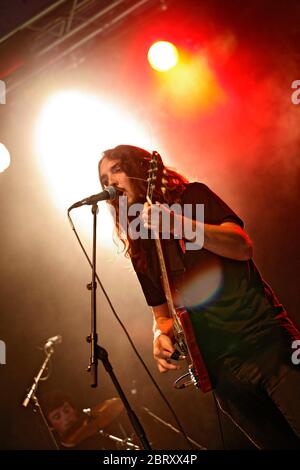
{"x": 55, "y": 339}
{"x": 109, "y": 193}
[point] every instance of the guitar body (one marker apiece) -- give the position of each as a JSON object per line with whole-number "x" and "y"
{"x": 198, "y": 369}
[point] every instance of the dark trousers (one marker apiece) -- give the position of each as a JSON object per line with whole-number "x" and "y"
{"x": 262, "y": 397}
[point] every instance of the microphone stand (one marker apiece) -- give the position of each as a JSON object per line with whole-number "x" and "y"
{"x": 31, "y": 396}
{"x": 99, "y": 353}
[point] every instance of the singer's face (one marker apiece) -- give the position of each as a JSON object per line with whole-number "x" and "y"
{"x": 112, "y": 174}
{"x": 62, "y": 418}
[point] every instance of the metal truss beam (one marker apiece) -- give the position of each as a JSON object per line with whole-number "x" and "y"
{"x": 63, "y": 29}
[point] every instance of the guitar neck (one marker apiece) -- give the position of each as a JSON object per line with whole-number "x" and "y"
{"x": 165, "y": 280}
{"x": 166, "y": 286}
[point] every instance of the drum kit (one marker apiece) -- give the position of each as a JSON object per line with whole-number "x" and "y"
{"x": 93, "y": 423}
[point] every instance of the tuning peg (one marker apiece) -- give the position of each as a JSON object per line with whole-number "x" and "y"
{"x": 163, "y": 189}
{"x": 164, "y": 181}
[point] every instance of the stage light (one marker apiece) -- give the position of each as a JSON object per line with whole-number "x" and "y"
{"x": 192, "y": 86}
{"x": 163, "y": 56}
{"x": 71, "y": 132}
{"x": 4, "y": 158}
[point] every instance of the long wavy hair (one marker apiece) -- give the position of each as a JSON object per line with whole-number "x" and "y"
{"x": 135, "y": 162}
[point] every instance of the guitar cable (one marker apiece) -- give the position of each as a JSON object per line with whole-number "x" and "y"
{"x": 219, "y": 420}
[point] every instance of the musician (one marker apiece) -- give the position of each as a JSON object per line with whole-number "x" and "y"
{"x": 61, "y": 412}
{"x": 90, "y": 429}
{"x": 66, "y": 420}
{"x": 243, "y": 332}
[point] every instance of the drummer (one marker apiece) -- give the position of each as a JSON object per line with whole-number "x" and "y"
{"x": 74, "y": 429}
{"x": 61, "y": 412}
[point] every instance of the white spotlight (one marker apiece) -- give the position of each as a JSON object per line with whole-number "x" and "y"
{"x": 4, "y": 158}
{"x": 72, "y": 131}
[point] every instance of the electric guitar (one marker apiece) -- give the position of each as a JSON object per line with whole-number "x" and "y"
{"x": 185, "y": 340}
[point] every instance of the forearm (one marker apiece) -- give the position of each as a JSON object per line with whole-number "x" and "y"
{"x": 227, "y": 239}
{"x": 162, "y": 322}
{"x": 163, "y": 338}
{"x": 230, "y": 242}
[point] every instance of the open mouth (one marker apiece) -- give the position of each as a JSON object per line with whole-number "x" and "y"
{"x": 121, "y": 191}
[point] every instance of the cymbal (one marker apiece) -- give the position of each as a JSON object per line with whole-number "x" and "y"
{"x": 100, "y": 416}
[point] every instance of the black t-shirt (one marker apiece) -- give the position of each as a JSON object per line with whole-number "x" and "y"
{"x": 233, "y": 310}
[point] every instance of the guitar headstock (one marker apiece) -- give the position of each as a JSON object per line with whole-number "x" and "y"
{"x": 156, "y": 180}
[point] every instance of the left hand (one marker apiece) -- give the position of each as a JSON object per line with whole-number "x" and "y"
{"x": 158, "y": 218}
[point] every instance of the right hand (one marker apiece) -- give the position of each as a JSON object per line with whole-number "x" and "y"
{"x": 162, "y": 351}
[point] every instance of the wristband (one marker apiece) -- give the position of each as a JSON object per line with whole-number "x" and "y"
{"x": 157, "y": 334}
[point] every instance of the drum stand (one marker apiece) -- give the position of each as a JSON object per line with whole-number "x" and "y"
{"x": 122, "y": 444}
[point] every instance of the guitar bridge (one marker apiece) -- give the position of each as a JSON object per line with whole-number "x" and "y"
{"x": 182, "y": 381}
